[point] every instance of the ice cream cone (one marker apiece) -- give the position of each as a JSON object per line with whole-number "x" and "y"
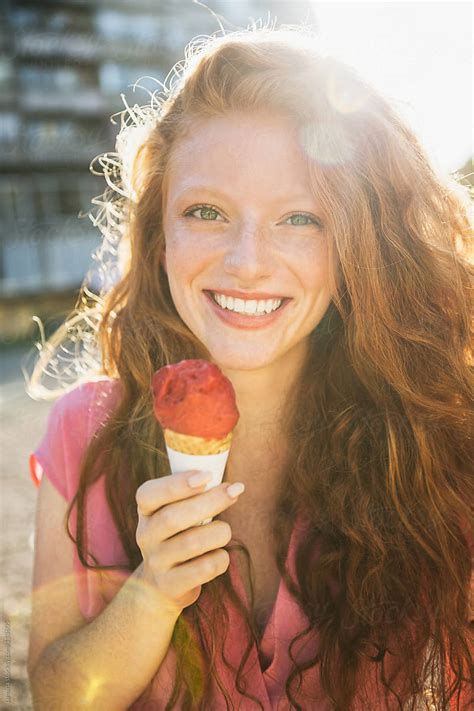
{"x": 186, "y": 452}
{"x": 196, "y": 445}
{"x": 195, "y": 405}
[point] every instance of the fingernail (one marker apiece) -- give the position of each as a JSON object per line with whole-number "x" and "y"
{"x": 198, "y": 479}
{"x": 235, "y": 489}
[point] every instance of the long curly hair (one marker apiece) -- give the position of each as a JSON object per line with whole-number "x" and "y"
{"x": 378, "y": 433}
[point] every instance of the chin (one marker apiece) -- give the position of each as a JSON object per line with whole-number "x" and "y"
{"x": 240, "y": 361}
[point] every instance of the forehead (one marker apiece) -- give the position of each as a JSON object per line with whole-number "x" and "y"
{"x": 246, "y": 149}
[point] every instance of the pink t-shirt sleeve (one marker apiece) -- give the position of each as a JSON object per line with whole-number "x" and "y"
{"x": 72, "y": 421}
{"x": 49, "y": 457}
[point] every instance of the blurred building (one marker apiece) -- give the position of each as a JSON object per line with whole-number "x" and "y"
{"x": 63, "y": 66}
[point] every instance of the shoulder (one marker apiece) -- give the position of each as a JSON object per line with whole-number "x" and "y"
{"x": 85, "y": 406}
{"x": 73, "y": 420}
{"x": 88, "y": 393}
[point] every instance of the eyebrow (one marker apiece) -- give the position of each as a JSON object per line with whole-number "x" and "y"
{"x": 219, "y": 193}
{"x": 201, "y": 189}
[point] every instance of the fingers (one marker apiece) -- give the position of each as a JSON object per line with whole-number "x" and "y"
{"x": 181, "y": 515}
{"x": 188, "y": 545}
{"x": 180, "y": 555}
{"x": 183, "y": 578}
{"x": 155, "y": 493}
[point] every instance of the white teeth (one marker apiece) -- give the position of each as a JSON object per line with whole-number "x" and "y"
{"x": 248, "y": 306}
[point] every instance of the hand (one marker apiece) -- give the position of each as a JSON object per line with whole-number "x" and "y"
{"x": 179, "y": 554}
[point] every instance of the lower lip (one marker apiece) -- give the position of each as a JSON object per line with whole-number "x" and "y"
{"x": 246, "y": 321}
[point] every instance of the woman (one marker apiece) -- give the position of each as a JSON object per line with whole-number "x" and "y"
{"x": 280, "y": 220}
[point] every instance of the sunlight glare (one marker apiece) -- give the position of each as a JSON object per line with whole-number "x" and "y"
{"x": 419, "y": 54}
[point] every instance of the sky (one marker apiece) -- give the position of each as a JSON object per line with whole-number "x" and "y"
{"x": 420, "y": 55}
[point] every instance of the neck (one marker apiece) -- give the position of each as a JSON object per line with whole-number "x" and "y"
{"x": 263, "y": 395}
{"x": 259, "y": 441}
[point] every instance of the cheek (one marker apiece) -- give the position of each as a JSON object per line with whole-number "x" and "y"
{"x": 178, "y": 254}
{"x": 187, "y": 253}
{"x": 312, "y": 267}
{"x": 186, "y": 264}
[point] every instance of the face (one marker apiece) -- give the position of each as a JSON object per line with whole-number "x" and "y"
{"x": 246, "y": 252}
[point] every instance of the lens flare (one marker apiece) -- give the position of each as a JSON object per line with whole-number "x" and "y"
{"x": 94, "y": 686}
{"x": 45, "y": 597}
{"x": 344, "y": 95}
{"x": 326, "y": 143}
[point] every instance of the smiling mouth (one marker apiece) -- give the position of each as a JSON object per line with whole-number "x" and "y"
{"x": 247, "y": 307}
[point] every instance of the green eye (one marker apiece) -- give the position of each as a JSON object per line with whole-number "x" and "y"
{"x": 301, "y": 219}
{"x": 207, "y": 213}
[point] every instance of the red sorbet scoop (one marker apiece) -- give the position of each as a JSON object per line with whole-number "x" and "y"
{"x": 194, "y": 398}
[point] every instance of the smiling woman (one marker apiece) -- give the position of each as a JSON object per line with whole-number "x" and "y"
{"x": 302, "y": 243}
{"x": 243, "y": 245}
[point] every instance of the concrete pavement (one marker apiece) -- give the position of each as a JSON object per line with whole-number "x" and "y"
{"x": 22, "y": 424}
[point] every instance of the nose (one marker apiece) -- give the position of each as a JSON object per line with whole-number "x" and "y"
{"x": 248, "y": 257}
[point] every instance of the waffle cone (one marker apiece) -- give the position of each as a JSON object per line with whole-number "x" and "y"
{"x": 188, "y": 444}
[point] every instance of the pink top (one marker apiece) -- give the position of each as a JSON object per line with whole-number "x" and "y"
{"x": 73, "y": 420}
